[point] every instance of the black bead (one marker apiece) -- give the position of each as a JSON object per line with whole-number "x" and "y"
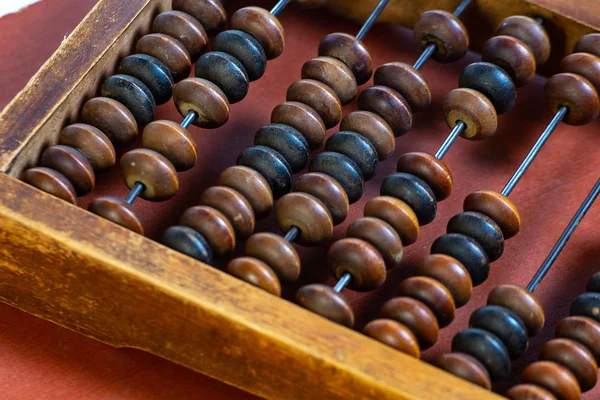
{"x": 503, "y": 323}
{"x": 481, "y": 228}
{"x": 226, "y": 72}
{"x": 187, "y": 241}
{"x": 358, "y": 148}
{"x": 245, "y": 48}
{"x": 593, "y": 284}
{"x": 343, "y": 170}
{"x": 485, "y": 347}
{"x": 152, "y": 73}
{"x": 467, "y": 251}
{"x": 414, "y": 191}
{"x": 493, "y": 82}
{"x": 287, "y": 141}
{"x": 587, "y": 305}
{"x": 133, "y": 94}
{"x": 271, "y": 165}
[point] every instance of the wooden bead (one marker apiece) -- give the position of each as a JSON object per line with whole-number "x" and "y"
{"x": 503, "y": 323}
{"x": 466, "y": 367}
{"x": 486, "y": 348}
{"x": 581, "y": 329}
{"x": 287, "y": 141}
{"x": 573, "y": 356}
{"x": 151, "y": 169}
{"x": 213, "y": 226}
{"x": 528, "y": 391}
{"x": 318, "y": 96}
{"x": 361, "y": 260}
{"x": 277, "y": 253}
{"x": 593, "y": 284}
{"x": 396, "y": 213}
{"x": 326, "y": 189}
{"x": 512, "y": 55}
{"x": 584, "y": 64}
{"x": 554, "y": 377}
{"x": 521, "y": 302}
{"x": 414, "y": 192}
{"x": 252, "y": 185}
{"x": 303, "y": 118}
{"x": 168, "y": 51}
{"x": 118, "y": 211}
{"x": 306, "y": 212}
{"x": 343, "y": 170}
{"x": 264, "y": 26}
{"x": 172, "y": 141}
{"x": 374, "y": 128}
{"x": 233, "y": 205}
{"x": 324, "y": 301}
{"x": 472, "y": 108}
{"x": 493, "y": 82}
{"x": 271, "y": 165}
{"x": 451, "y": 273}
{"x": 589, "y": 43}
{"x": 407, "y": 81}
{"x": 416, "y": 316}
{"x": 393, "y": 334}
{"x": 389, "y": 105}
{"x": 587, "y": 305}
{"x": 467, "y": 251}
{"x": 112, "y": 118}
{"x": 334, "y": 74}
{"x": 73, "y": 165}
{"x": 349, "y": 50}
{"x": 496, "y": 206}
{"x": 133, "y": 94}
{"x": 576, "y": 93}
{"x": 381, "y": 235}
{"x": 152, "y": 73}
{"x": 445, "y": 31}
{"x": 51, "y": 182}
{"x": 430, "y": 169}
{"x": 205, "y": 99}
{"x": 226, "y": 72}
{"x": 185, "y": 28}
{"x": 481, "y": 228}
{"x": 92, "y": 143}
{"x": 528, "y": 31}
{"x": 356, "y": 147}
{"x": 256, "y": 273}
{"x": 210, "y": 13}
{"x": 187, "y": 241}
{"x": 433, "y": 294}
{"x": 245, "y": 48}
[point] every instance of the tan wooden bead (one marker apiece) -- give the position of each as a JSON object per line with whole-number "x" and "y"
{"x": 393, "y": 334}
{"x": 324, "y": 301}
{"x": 381, "y": 235}
{"x": 396, "y": 213}
{"x": 172, "y": 141}
{"x": 584, "y": 64}
{"x": 575, "y": 357}
{"x": 205, "y": 99}
{"x": 256, "y": 273}
{"x": 407, "y": 81}
{"x": 521, "y": 302}
{"x": 466, "y": 367}
{"x": 444, "y": 30}
{"x": 527, "y": 391}
{"x": 351, "y": 52}
{"x": 118, "y": 211}
{"x": 374, "y": 128}
{"x": 527, "y": 30}
{"x": 264, "y": 26}
{"x": 576, "y": 93}
{"x": 210, "y": 13}
{"x": 51, "y": 182}
{"x": 306, "y": 212}
{"x": 334, "y": 74}
{"x": 474, "y": 109}
{"x": 581, "y": 329}
{"x": 589, "y": 43}
{"x": 277, "y": 252}
{"x": 252, "y": 185}
{"x": 185, "y": 28}
{"x": 168, "y": 51}
{"x": 512, "y": 55}
{"x": 360, "y": 259}
{"x": 415, "y": 315}
{"x": 433, "y": 294}
{"x": 389, "y": 105}
{"x": 326, "y": 189}
{"x": 233, "y": 205}
{"x": 554, "y": 377}
{"x": 213, "y": 225}
{"x": 302, "y": 118}
{"x": 451, "y": 273}
{"x": 496, "y": 206}
{"x": 92, "y": 143}
{"x": 112, "y": 118}
{"x": 151, "y": 169}
{"x": 73, "y": 165}
{"x": 318, "y": 96}
{"x": 432, "y": 170}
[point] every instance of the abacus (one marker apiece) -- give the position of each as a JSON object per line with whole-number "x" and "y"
{"x": 203, "y": 288}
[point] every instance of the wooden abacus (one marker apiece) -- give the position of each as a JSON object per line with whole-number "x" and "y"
{"x": 63, "y": 263}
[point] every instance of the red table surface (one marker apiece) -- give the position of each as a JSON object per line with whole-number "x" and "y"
{"x": 39, "y": 360}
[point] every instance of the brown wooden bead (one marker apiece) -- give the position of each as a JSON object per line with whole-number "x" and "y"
{"x": 118, "y": 211}
{"x": 351, "y": 52}
{"x": 451, "y": 273}
{"x": 498, "y": 207}
{"x": 512, "y": 55}
{"x": 528, "y": 391}
{"x": 112, "y": 118}
{"x": 381, "y": 235}
{"x": 213, "y": 225}
{"x": 528, "y": 31}
{"x": 334, "y": 74}
{"x": 393, "y": 334}
{"x": 277, "y": 252}
{"x": 575, "y": 357}
{"x": 374, "y": 128}
{"x": 432, "y": 170}
{"x": 73, "y": 165}
{"x": 581, "y": 329}
{"x": 256, "y": 273}
{"x": 554, "y": 377}
{"x": 466, "y": 367}
{"x": 172, "y": 141}
{"x": 434, "y": 294}
{"x": 233, "y": 205}
{"x": 521, "y": 302}
{"x": 151, "y": 169}
{"x": 396, "y": 213}
{"x": 361, "y": 260}
{"x": 168, "y": 51}
{"x": 92, "y": 143}
{"x": 205, "y": 99}
{"x": 589, "y": 43}
{"x": 318, "y": 96}
{"x": 264, "y": 26}
{"x": 303, "y": 118}
{"x": 51, "y": 182}
{"x": 326, "y": 189}
{"x": 306, "y": 212}
{"x": 444, "y": 30}
{"x": 407, "y": 81}
{"x": 210, "y": 13}
{"x": 185, "y": 28}
{"x": 252, "y": 185}
{"x": 324, "y": 301}
{"x": 474, "y": 109}
{"x": 389, "y": 105}
{"x": 584, "y": 64}
{"x": 416, "y": 316}
{"x": 576, "y": 93}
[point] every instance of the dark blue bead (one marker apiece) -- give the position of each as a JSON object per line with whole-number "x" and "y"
{"x": 593, "y": 284}
{"x": 493, "y": 82}
{"x": 503, "y": 323}
{"x": 245, "y": 48}
{"x": 287, "y": 141}
{"x": 415, "y": 192}
{"x": 467, "y": 251}
{"x": 271, "y": 165}
{"x": 343, "y": 170}
{"x": 226, "y": 72}
{"x": 358, "y": 148}
{"x": 152, "y": 73}
{"x": 187, "y": 241}
{"x": 485, "y": 347}
{"x": 481, "y": 228}
{"x": 587, "y": 305}
{"x": 133, "y": 94}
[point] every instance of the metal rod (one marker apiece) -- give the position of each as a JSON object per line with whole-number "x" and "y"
{"x": 135, "y": 192}
{"x": 292, "y": 234}
{"x": 280, "y": 6}
{"x": 558, "y": 117}
{"x": 428, "y": 52}
{"x": 461, "y": 8}
{"x": 341, "y": 284}
{"x": 187, "y": 121}
{"x": 456, "y": 131}
{"x": 562, "y": 241}
{"x": 371, "y": 20}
